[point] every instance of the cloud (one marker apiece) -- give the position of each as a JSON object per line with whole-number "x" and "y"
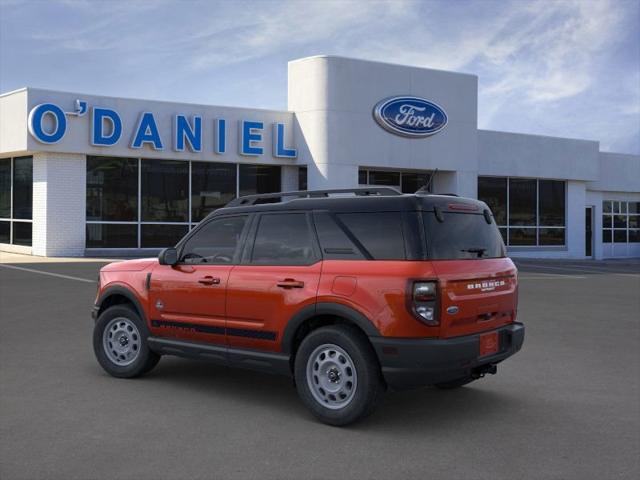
{"x": 543, "y": 66}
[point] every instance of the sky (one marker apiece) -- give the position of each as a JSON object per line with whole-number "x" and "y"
{"x": 568, "y": 68}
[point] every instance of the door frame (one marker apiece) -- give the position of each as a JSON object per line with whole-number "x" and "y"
{"x": 592, "y": 209}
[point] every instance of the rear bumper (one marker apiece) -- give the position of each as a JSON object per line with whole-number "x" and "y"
{"x": 408, "y": 363}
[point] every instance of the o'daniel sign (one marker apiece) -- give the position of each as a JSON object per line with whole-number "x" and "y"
{"x": 408, "y": 116}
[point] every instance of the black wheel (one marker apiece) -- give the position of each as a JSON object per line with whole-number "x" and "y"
{"x": 337, "y": 374}
{"x": 460, "y": 382}
{"x": 120, "y": 343}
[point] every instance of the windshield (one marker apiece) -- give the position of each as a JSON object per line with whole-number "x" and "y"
{"x": 462, "y": 236}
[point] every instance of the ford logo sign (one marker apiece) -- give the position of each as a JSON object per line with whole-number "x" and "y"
{"x": 410, "y": 116}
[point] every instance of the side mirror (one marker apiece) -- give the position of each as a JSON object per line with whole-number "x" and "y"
{"x": 168, "y": 256}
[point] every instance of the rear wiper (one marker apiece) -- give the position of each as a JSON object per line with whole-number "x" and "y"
{"x": 479, "y": 251}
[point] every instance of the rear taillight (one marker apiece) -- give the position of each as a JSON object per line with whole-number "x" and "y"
{"x": 424, "y": 302}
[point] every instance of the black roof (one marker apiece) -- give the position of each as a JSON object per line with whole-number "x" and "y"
{"x": 363, "y": 200}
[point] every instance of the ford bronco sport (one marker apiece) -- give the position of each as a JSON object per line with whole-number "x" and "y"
{"x": 348, "y": 295}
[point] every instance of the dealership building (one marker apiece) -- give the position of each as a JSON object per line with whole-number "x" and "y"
{"x": 89, "y": 175}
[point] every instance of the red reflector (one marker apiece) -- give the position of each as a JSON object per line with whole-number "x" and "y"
{"x": 463, "y": 206}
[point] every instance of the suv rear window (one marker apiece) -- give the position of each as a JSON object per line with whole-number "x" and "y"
{"x": 462, "y": 236}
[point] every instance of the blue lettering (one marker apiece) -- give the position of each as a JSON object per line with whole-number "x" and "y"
{"x": 279, "y": 150}
{"x": 98, "y": 136}
{"x": 35, "y": 123}
{"x": 147, "y": 132}
{"x": 249, "y": 136}
{"x": 184, "y": 131}
{"x": 221, "y": 128}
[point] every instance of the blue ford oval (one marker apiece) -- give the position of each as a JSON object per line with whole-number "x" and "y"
{"x": 410, "y": 116}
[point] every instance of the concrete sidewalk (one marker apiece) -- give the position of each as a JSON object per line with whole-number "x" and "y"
{"x": 8, "y": 257}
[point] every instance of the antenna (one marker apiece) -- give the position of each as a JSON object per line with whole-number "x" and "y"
{"x": 425, "y": 188}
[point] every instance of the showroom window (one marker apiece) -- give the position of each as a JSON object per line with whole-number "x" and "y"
{"x": 16, "y": 200}
{"x": 406, "y": 182}
{"x": 528, "y": 211}
{"x": 144, "y": 203}
{"x": 620, "y": 222}
{"x": 302, "y": 178}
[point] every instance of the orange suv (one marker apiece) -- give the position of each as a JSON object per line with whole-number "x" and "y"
{"x": 349, "y": 292}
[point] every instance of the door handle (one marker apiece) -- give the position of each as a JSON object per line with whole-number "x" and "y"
{"x": 290, "y": 283}
{"x": 209, "y": 280}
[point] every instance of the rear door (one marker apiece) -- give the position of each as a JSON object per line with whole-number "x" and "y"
{"x": 188, "y": 300}
{"x": 278, "y": 275}
{"x": 477, "y": 281}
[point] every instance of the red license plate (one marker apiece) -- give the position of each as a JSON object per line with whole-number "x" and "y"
{"x": 489, "y": 343}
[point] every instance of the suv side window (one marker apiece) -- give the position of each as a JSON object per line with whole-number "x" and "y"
{"x": 216, "y": 242}
{"x": 380, "y": 233}
{"x": 283, "y": 239}
{"x": 334, "y": 241}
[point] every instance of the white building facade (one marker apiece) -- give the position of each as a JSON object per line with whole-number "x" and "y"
{"x": 93, "y": 175}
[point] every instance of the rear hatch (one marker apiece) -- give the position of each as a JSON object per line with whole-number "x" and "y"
{"x": 477, "y": 282}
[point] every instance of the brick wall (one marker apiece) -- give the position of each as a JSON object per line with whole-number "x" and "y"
{"x": 59, "y": 197}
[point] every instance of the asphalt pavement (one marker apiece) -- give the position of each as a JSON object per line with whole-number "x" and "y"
{"x": 566, "y": 407}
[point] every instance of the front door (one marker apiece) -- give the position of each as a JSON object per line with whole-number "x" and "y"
{"x": 588, "y": 232}
{"x": 278, "y": 275}
{"x": 188, "y": 300}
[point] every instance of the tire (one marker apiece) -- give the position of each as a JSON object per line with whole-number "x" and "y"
{"x": 334, "y": 357}
{"x": 460, "y": 382}
{"x": 124, "y": 353}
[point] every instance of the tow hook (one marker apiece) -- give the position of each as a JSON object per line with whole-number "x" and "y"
{"x": 483, "y": 370}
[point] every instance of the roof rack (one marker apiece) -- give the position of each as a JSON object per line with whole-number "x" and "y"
{"x": 360, "y": 192}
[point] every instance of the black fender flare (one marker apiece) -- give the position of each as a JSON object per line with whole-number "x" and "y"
{"x": 125, "y": 292}
{"x": 325, "y": 308}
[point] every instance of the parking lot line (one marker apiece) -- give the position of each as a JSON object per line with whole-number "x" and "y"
{"x": 550, "y": 276}
{"x": 67, "y": 277}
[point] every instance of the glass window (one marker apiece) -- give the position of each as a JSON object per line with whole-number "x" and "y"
{"x": 259, "y": 179}
{"x": 493, "y": 192}
{"x": 112, "y": 189}
{"x": 606, "y": 206}
{"x": 379, "y": 233}
{"x": 165, "y": 187}
{"x": 634, "y": 207}
{"x": 522, "y": 202}
{"x": 23, "y": 189}
{"x": 607, "y": 221}
{"x": 162, "y": 236}
{"x": 620, "y": 221}
{"x": 552, "y": 203}
{"x": 606, "y": 236}
{"x": 522, "y": 236}
{"x": 283, "y": 239}
{"x": 412, "y": 182}
{"x": 362, "y": 177}
{"x": 5, "y": 231}
{"x": 22, "y": 233}
{"x": 334, "y": 242}
{"x": 462, "y": 236}
{"x": 213, "y": 185}
{"x": 382, "y": 178}
{"x": 503, "y": 232}
{"x": 5, "y": 188}
{"x": 216, "y": 242}
{"x": 634, "y": 236}
{"x": 551, "y": 236}
{"x": 302, "y": 178}
{"x": 620, "y": 236}
{"x": 112, "y": 235}
{"x": 634, "y": 221}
